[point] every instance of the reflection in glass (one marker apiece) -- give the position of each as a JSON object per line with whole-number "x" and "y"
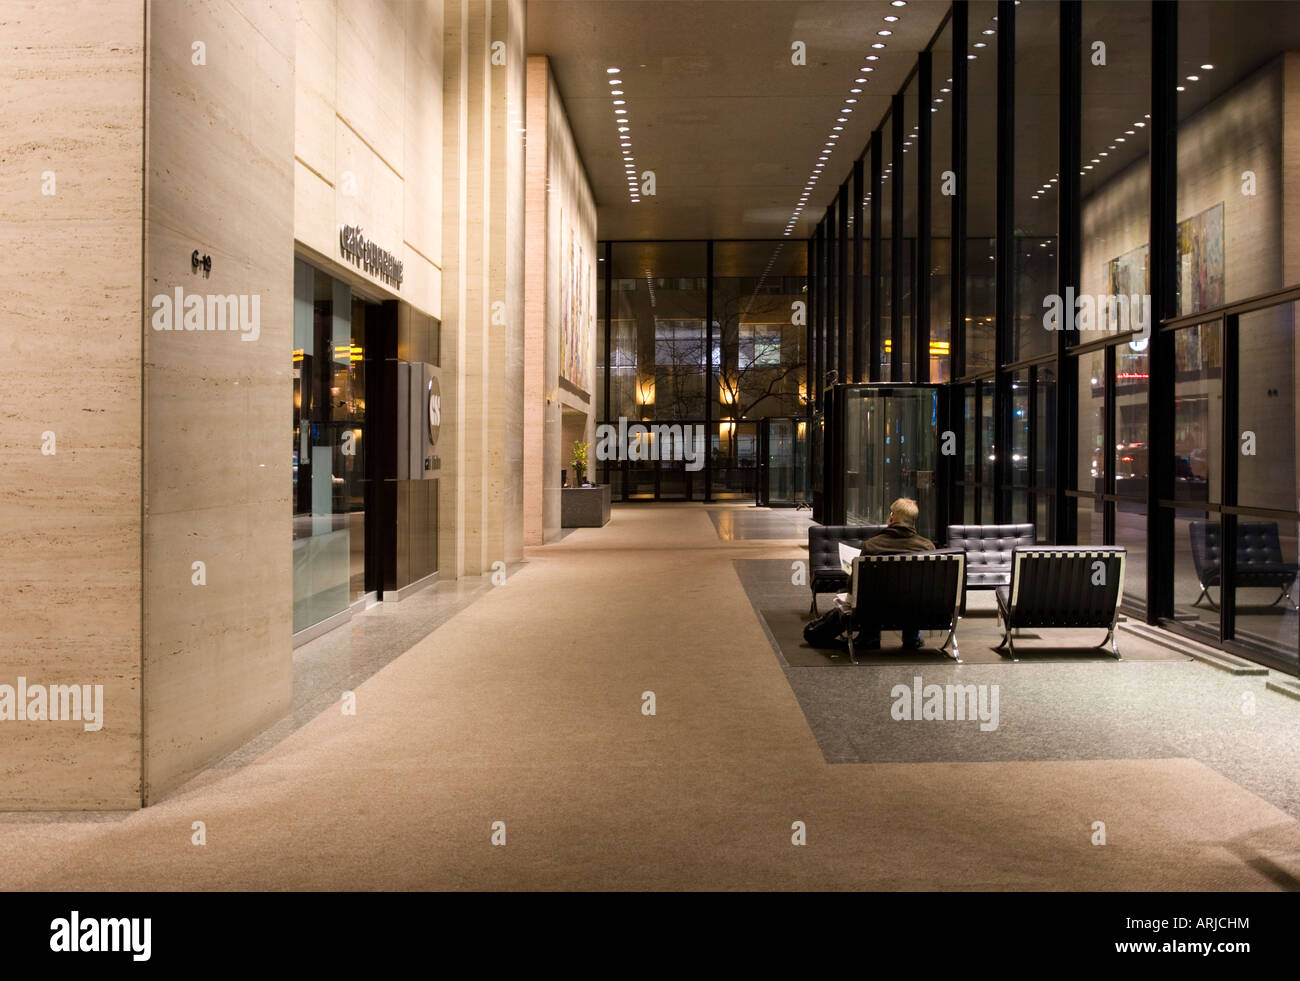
{"x": 1198, "y": 413}
{"x": 1091, "y": 472}
{"x": 1131, "y": 456}
{"x": 1266, "y": 407}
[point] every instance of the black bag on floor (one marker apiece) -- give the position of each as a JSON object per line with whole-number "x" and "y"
{"x": 825, "y": 631}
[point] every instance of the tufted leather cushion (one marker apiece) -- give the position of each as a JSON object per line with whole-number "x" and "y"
{"x": 1058, "y": 586}
{"x": 988, "y": 550}
{"x": 1259, "y": 554}
{"x": 824, "y": 553}
{"x": 909, "y": 590}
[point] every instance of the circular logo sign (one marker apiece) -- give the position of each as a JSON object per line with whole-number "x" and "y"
{"x": 435, "y": 410}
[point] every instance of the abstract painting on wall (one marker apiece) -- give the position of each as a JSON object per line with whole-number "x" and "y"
{"x": 1200, "y": 261}
{"x": 577, "y": 311}
{"x": 1199, "y": 256}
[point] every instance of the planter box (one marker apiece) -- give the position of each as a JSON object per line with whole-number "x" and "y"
{"x": 584, "y": 507}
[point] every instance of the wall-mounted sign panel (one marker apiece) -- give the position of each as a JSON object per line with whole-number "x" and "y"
{"x": 419, "y": 420}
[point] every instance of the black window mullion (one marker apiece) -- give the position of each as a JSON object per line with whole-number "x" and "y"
{"x": 877, "y": 312}
{"x": 896, "y": 340}
{"x": 859, "y": 192}
{"x": 1230, "y": 445}
{"x": 921, "y": 265}
{"x": 1163, "y": 134}
{"x": 1005, "y": 252}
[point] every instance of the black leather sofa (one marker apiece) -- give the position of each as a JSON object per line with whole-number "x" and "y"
{"x": 907, "y": 591}
{"x": 825, "y": 573}
{"x": 1066, "y": 587}
{"x": 1259, "y": 559}
{"x": 988, "y": 552}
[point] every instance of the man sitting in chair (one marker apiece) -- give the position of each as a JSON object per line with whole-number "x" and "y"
{"x": 900, "y": 536}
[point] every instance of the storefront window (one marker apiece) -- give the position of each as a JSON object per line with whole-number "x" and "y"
{"x": 328, "y": 448}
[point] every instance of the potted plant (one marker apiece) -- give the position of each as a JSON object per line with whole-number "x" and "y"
{"x": 580, "y": 462}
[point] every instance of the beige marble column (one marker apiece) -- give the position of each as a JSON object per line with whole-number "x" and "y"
{"x": 72, "y": 115}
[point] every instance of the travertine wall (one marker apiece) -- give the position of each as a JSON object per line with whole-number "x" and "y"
{"x": 368, "y": 137}
{"x": 480, "y": 516}
{"x": 72, "y": 77}
{"x": 217, "y": 657}
{"x": 559, "y": 197}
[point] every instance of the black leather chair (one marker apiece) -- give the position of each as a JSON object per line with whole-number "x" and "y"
{"x": 1066, "y": 587}
{"x": 988, "y": 552}
{"x": 1259, "y": 559}
{"x": 907, "y": 591}
{"x": 825, "y": 573}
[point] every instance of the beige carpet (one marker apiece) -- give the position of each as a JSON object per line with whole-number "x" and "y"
{"x": 526, "y": 708}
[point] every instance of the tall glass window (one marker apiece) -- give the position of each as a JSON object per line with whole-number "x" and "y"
{"x": 942, "y": 184}
{"x": 657, "y": 319}
{"x": 886, "y": 283}
{"x": 907, "y": 226}
{"x": 982, "y": 184}
{"x": 758, "y": 351}
{"x": 1037, "y": 105}
{"x": 1233, "y": 82}
{"x": 1115, "y": 182}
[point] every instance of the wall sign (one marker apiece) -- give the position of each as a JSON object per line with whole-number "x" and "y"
{"x": 435, "y": 409}
{"x": 369, "y": 256}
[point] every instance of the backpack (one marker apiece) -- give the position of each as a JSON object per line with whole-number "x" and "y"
{"x": 826, "y": 630}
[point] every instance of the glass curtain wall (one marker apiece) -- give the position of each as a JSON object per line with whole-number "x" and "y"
{"x": 667, "y": 362}
{"x": 758, "y": 352}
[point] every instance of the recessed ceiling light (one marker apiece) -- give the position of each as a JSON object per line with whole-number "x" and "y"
{"x": 873, "y": 57}
{"x": 620, "y": 102}
{"x": 937, "y": 99}
{"x": 988, "y": 30}
{"x": 612, "y": 71}
{"x": 615, "y": 81}
{"x": 1103, "y": 153}
{"x": 1053, "y": 180}
{"x": 850, "y": 100}
{"x": 1193, "y": 78}
{"x": 616, "y": 92}
{"x": 855, "y": 92}
{"x": 980, "y": 44}
{"x": 859, "y": 80}
{"x": 884, "y": 33}
{"x": 877, "y": 44}
{"x": 620, "y": 112}
{"x": 1119, "y": 139}
{"x": 1087, "y": 166}
{"x": 1208, "y": 68}
{"x": 1181, "y": 88}
{"x": 842, "y": 119}
{"x": 891, "y": 18}
{"x": 970, "y": 57}
{"x": 837, "y": 128}
{"x": 1139, "y": 125}
{"x": 945, "y": 90}
{"x": 898, "y": 3}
